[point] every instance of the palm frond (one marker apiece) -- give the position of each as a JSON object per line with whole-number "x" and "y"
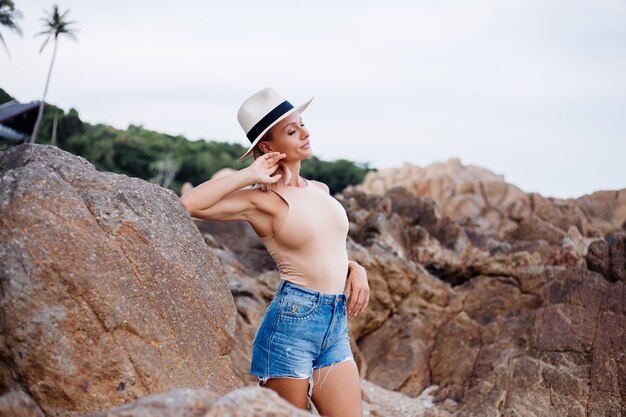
{"x": 44, "y": 43}
{"x": 43, "y": 32}
{"x": 8, "y": 17}
{"x": 5, "y": 45}
{"x": 55, "y": 24}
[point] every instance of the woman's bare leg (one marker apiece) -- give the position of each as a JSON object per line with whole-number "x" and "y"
{"x": 337, "y": 390}
{"x": 292, "y": 389}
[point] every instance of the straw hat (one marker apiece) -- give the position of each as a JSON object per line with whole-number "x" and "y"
{"x": 261, "y": 111}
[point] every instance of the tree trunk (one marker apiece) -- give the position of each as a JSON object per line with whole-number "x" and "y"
{"x": 33, "y": 137}
{"x": 53, "y": 139}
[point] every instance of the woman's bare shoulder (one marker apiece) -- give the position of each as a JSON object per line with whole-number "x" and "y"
{"x": 262, "y": 198}
{"x": 321, "y": 185}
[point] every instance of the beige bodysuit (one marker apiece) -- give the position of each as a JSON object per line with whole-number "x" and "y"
{"x": 309, "y": 246}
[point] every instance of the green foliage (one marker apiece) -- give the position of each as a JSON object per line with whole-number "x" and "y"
{"x": 4, "y": 96}
{"x": 68, "y": 124}
{"x": 336, "y": 174}
{"x": 139, "y": 152}
{"x": 146, "y": 154}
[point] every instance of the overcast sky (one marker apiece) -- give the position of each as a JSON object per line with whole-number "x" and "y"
{"x": 534, "y": 90}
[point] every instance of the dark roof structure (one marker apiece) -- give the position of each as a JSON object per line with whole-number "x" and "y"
{"x": 19, "y": 116}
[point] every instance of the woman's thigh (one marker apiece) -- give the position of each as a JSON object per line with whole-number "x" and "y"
{"x": 293, "y": 390}
{"x": 337, "y": 390}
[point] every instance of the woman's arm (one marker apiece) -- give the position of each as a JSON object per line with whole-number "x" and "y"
{"x": 223, "y": 198}
{"x": 357, "y": 288}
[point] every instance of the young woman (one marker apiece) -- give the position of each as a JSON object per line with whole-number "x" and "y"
{"x": 302, "y": 345}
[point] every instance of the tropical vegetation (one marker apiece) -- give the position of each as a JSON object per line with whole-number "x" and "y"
{"x": 139, "y": 152}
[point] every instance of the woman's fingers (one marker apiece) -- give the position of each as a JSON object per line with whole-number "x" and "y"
{"x": 359, "y": 300}
{"x": 277, "y": 156}
{"x": 274, "y": 162}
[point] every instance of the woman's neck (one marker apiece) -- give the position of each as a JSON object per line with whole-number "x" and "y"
{"x": 294, "y": 167}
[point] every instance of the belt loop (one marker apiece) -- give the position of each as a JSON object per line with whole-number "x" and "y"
{"x": 280, "y": 287}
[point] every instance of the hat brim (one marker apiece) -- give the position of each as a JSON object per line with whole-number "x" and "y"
{"x": 299, "y": 109}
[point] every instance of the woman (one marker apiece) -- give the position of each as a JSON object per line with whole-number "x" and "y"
{"x": 304, "y": 334}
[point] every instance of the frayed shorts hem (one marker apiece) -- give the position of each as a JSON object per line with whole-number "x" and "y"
{"x": 264, "y": 379}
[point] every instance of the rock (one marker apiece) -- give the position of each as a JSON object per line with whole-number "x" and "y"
{"x": 467, "y": 193}
{"x": 563, "y": 216}
{"x": 481, "y": 302}
{"x": 245, "y": 402}
{"x": 522, "y": 325}
{"x": 242, "y": 241}
{"x": 599, "y": 258}
{"x": 254, "y": 402}
{"x": 394, "y": 365}
{"x": 108, "y": 290}
{"x": 180, "y": 402}
{"x": 18, "y": 404}
{"x": 380, "y": 402}
{"x": 606, "y": 210}
{"x": 534, "y": 228}
{"x": 464, "y": 192}
{"x": 608, "y": 257}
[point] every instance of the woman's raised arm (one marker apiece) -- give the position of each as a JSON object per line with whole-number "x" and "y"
{"x": 223, "y": 198}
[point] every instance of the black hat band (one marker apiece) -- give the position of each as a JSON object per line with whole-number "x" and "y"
{"x": 268, "y": 119}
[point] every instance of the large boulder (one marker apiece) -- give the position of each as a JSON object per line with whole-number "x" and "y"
{"x": 528, "y": 330}
{"x": 485, "y": 301}
{"x": 468, "y": 193}
{"x": 108, "y": 292}
{"x": 242, "y": 402}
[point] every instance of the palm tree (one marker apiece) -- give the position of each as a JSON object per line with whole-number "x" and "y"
{"x": 55, "y": 24}
{"x": 8, "y": 15}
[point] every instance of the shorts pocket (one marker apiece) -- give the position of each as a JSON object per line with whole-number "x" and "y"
{"x": 297, "y": 306}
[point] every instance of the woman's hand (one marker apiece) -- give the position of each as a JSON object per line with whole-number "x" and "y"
{"x": 263, "y": 167}
{"x": 357, "y": 289}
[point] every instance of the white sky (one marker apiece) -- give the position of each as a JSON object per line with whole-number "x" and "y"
{"x": 534, "y": 90}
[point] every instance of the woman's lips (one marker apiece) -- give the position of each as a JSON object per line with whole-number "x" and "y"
{"x": 307, "y": 146}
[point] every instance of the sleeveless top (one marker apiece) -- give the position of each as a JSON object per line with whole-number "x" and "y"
{"x": 309, "y": 246}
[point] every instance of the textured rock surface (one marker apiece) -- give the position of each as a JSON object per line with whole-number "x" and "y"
{"x": 254, "y": 402}
{"x": 177, "y": 402}
{"x": 487, "y": 321}
{"x": 18, "y": 404}
{"x": 468, "y": 193}
{"x": 485, "y": 301}
{"x": 244, "y": 402}
{"x": 108, "y": 292}
{"x": 608, "y": 257}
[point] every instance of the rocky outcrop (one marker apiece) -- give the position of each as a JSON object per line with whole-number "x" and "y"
{"x": 485, "y": 301}
{"x": 487, "y": 322}
{"x": 468, "y": 193}
{"x": 108, "y": 292}
{"x": 502, "y": 325}
{"x": 242, "y": 402}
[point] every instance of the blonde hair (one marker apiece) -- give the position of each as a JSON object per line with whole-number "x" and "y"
{"x": 285, "y": 173}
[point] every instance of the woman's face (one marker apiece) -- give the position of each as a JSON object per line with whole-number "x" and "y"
{"x": 291, "y": 137}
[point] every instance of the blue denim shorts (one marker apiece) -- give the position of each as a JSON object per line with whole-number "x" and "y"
{"x": 302, "y": 330}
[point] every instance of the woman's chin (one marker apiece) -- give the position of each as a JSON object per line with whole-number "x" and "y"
{"x": 307, "y": 152}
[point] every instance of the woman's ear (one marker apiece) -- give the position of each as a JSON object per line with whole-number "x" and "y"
{"x": 265, "y": 147}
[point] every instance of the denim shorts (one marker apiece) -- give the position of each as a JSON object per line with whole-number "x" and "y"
{"x": 302, "y": 330}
